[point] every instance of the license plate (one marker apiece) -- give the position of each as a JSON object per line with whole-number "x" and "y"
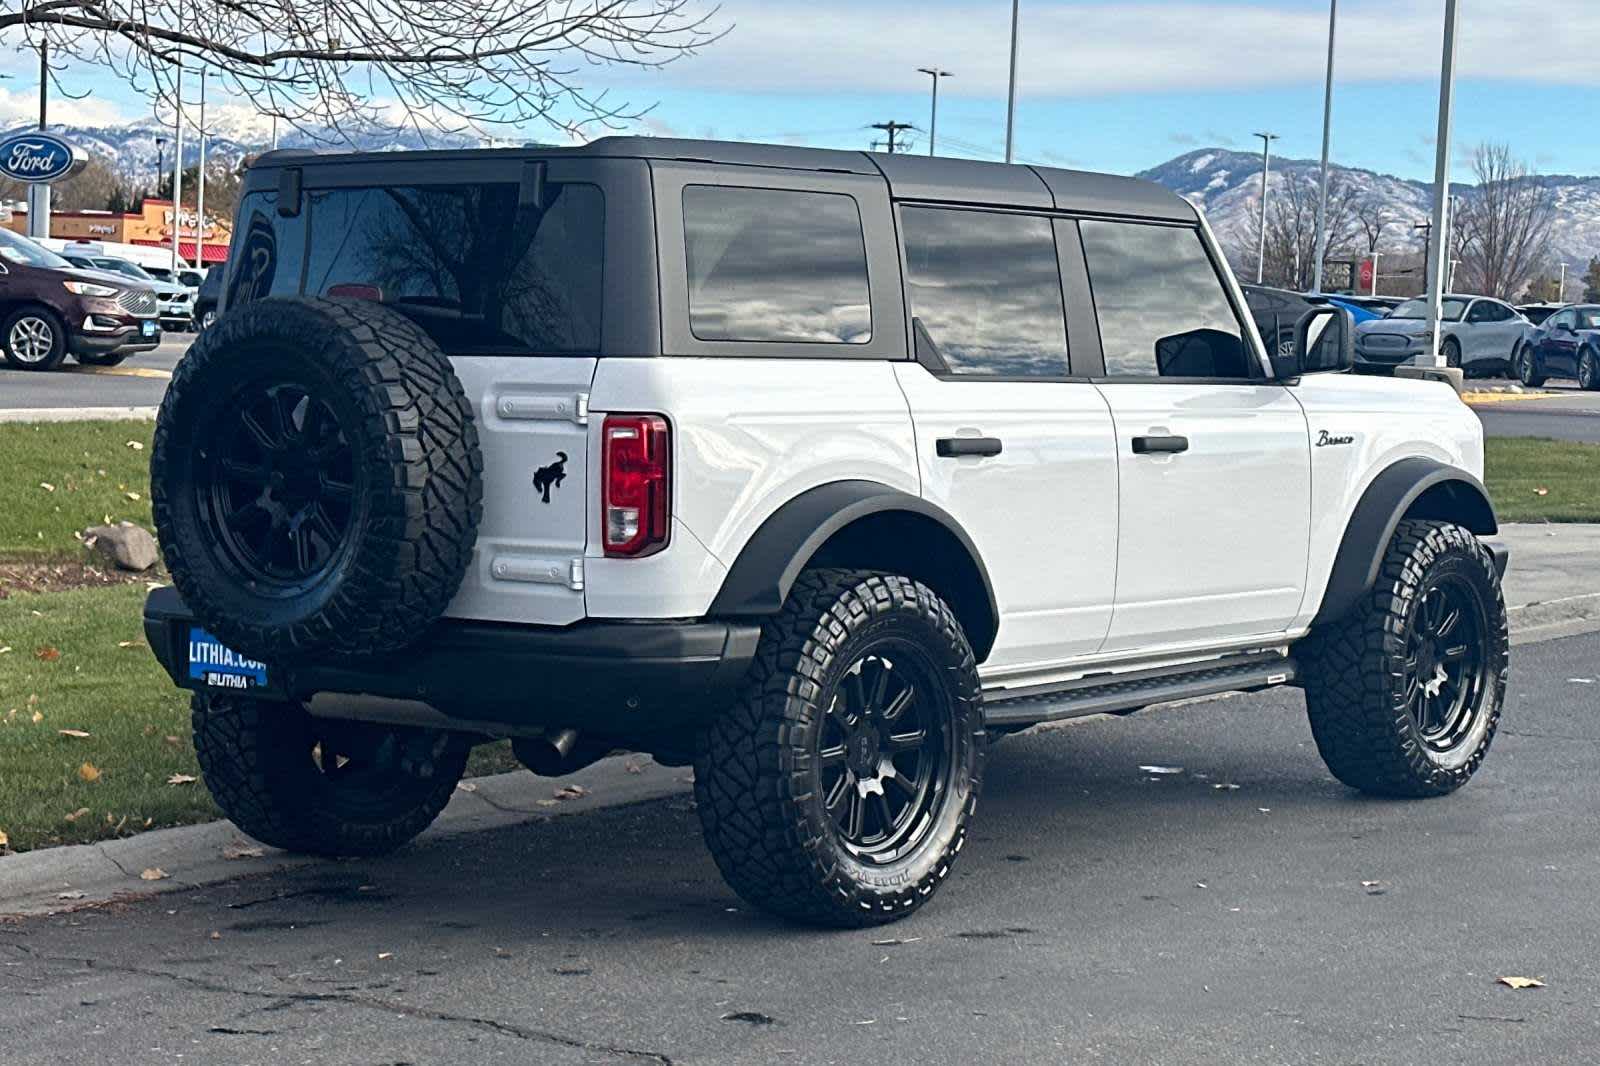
{"x": 216, "y": 665}
{"x": 148, "y": 328}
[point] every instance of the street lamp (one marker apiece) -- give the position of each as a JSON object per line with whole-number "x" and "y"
{"x": 933, "y": 114}
{"x": 1011, "y": 88}
{"x": 1327, "y": 129}
{"x": 1438, "y": 248}
{"x": 1561, "y": 293}
{"x": 1266, "y": 161}
{"x": 161, "y": 162}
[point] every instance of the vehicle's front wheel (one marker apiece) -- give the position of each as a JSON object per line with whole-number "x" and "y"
{"x": 34, "y": 339}
{"x": 838, "y": 789}
{"x": 1589, "y": 370}
{"x": 1451, "y": 350}
{"x": 101, "y": 358}
{"x": 322, "y": 787}
{"x": 1528, "y": 369}
{"x": 1404, "y": 693}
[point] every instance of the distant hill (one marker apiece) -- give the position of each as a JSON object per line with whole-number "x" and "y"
{"x": 1227, "y": 185}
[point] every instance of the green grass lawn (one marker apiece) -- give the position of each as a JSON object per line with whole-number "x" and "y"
{"x": 60, "y": 478}
{"x": 1536, "y": 480}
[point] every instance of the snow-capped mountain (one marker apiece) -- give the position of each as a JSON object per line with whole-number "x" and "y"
{"x": 1227, "y": 185}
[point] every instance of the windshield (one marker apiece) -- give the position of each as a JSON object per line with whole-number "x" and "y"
{"x": 1451, "y": 309}
{"x": 18, "y": 249}
{"x": 122, "y": 266}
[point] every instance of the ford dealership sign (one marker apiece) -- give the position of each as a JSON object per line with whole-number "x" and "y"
{"x": 40, "y": 158}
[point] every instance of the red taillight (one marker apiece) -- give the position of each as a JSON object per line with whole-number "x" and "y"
{"x": 635, "y": 501}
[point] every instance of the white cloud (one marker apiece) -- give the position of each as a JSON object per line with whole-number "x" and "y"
{"x": 1098, "y": 48}
{"x": 22, "y": 106}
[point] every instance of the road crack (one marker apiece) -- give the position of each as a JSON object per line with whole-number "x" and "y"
{"x": 354, "y": 999}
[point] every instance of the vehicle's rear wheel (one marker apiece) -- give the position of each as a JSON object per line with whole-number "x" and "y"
{"x": 322, "y": 787}
{"x": 837, "y": 791}
{"x": 1528, "y": 369}
{"x": 1451, "y": 349}
{"x": 1589, "y": 370}
{"x": 101, "y": 358}
{"x": 1404, "y": 693}
{"x": 316, "y": 480}
{"x": 34, "y": 339}
{"x": 207, "y": 319}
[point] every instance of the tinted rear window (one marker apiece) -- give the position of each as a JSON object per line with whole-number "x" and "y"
{"x": 775, "y": 265}
{"x": 267, "y": 251}
{"x": 466, "y": 262}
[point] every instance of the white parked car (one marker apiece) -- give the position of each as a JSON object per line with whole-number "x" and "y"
{"x": 812, "y": 469}
{"x": 176, "y": 301}
{"x": 1479, "y": 334}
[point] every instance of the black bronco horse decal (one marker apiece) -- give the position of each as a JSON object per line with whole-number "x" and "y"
{"x": 550, "y": 477}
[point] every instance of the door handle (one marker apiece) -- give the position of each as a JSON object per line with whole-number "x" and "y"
{"x": 953, "y": 447}
{"x": 1154, "y": 445}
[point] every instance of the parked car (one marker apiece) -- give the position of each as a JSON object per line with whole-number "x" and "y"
{"x": 51, "y": 310}
{"x": 1278, "y": 311}
{"x": 1537, "y": 313}
{"x": 1565, "y": 345}
{"x": 1359, "y": 309}
{"x": 208, "y": 298}
{"x": 810, "y": 468}
{"x": 175, "y": 300}
{"x": 1480, "y": 335}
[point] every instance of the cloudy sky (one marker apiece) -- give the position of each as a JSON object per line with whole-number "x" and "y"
{"x": 1107, "y": 85}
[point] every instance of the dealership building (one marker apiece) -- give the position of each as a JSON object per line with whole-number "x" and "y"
{"x": 152, "y": 226}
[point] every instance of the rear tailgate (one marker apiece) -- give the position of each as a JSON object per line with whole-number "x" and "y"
{"x": 533, "y": 428}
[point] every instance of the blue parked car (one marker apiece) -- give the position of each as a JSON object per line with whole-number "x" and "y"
{"x": 1357, "y": 310}
{"x": 1565, "y": 345}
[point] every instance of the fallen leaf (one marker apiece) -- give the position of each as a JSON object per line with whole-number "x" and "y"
{"x": 1162, "y": 769}
{"x": 137, "y": 446}
{"x": 153, "y": 873}
{"x": 47, "y": 486}
{"x": 89, "y": 772}
{"x": 215, "y": 935}
{"x": 173, "y": 741}
{"x": 72, "y": 894}
{"x": 132, "y": 495}
{"x": 181, "y": 779}
{"x": 385, "y": 954}
{"x": 1520, "y": 982}
{"x": 1371, "y": 884}
{"x": 79, "y": 813}
{"x": 79, "y": 733}
{"x": 47, "y": 654}
{"x": 570, "y": 792}
{"x": 466, "y": 786}
{"x": 501, "y": 953}
{"x": 4, "y": 840}
{"x": 240, "y": 850}
{"x": 130, "y": 643}
{"x": 38, "y": 716}
{"x": 1227, "y": 787}
{"x": 5, "y": 649}
{"x": 1541, "y": 492}
{"x": 1264, "y": 810}
{"x": 1570, "y": 680}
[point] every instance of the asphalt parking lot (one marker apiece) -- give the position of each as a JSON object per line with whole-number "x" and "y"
{"x": 1100, "y": 914}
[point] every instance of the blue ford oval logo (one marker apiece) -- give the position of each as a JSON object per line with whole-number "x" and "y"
{"x": 40, "y": 158}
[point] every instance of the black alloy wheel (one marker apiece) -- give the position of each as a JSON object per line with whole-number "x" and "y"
{"x": 1446, "y": 662}
{"x": 883, "y": 755}
{"x": 276, "y": 486}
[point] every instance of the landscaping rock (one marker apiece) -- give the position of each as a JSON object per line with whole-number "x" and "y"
{"x": 129, "y": 546}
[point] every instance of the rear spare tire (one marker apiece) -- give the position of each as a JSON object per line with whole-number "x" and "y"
{"x": 316, "y": 479}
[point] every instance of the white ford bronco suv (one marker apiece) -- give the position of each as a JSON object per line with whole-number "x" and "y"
{"x": 813, "y": 469}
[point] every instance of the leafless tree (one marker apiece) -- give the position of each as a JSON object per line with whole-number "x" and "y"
{"x": 1292, "y": 227}
{"x": 331, "y": 64}
{"x": 1373, "y": 216}
{"x": 1506, "y": 221}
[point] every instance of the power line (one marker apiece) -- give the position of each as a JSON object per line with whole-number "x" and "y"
{"x": 892, "y": 128}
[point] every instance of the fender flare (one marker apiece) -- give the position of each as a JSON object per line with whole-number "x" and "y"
{"x": 759, "y": 580}
{"x": 1453, "y": 495}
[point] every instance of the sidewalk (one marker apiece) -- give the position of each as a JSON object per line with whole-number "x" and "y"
{"x": 1553, "y": 582}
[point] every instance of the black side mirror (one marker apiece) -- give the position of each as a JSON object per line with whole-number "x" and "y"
{"x": 1324, "y": 341}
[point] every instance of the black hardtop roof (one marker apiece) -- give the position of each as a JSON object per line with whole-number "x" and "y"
{"x": 910, "y": 177}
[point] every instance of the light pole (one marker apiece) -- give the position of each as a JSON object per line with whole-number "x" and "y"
{"x": 933, "y": 113}
{"x": 1438, "y": 249}
{"x": 1011, "y": 88}
{"x": 39, "y": 194}
{"x": 1561, "y": 293}
{"x": 177, "y": 169}
{"x": 1375, "y": 254}
{"x": 200, "y": 174}
{"x": 1327, "y": 130}
{"x": 161, "y": 162}
{"x": 1266, "y": 162}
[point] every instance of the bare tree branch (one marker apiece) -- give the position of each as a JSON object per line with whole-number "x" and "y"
{"x": 332, "y": 64}
{"x": 1503, "y": 226}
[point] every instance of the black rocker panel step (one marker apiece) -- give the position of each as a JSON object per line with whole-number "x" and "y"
{"x": 1111, "y": 694}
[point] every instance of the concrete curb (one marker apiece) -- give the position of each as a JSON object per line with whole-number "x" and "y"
{"x": 77, "y": 414}
{"x": 51, "y": 880}
{"x": 1565, "y": 617}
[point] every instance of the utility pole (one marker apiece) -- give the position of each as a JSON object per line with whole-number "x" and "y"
{"x": 1011, "y": 89}
{"x": 1375, "y": 254}
{"x": 933, "y": 114}
{"x": 1327, "y": 130}
{"x": 1438, "y": 249}
{"x": 1266, "y": 162}
{"x": 200, "y": 173}
{"x": 177, "y": 172}
{"x": 39, "y": 195}
{"x": 1561, "y": 293}
{"x": 892, "y": 128}
{"x": 161, "y": 163}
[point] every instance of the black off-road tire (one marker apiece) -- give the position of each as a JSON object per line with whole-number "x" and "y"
{"x": 257, "y": 758}
{"x": 414, "y": 461}
{"x": 1356, "y": 674}
{"x": 757, "y": 772}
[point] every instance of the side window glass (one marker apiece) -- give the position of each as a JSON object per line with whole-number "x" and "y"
{"x": 267, "y": 251}
{"x": 1162, "y": 309}
{"x": 775, "y": 265}
{"x": 987, "y": 290}
{"x": 1502, "y": 313}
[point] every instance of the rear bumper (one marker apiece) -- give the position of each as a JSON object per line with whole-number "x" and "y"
{"x": 626, "y": 680}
